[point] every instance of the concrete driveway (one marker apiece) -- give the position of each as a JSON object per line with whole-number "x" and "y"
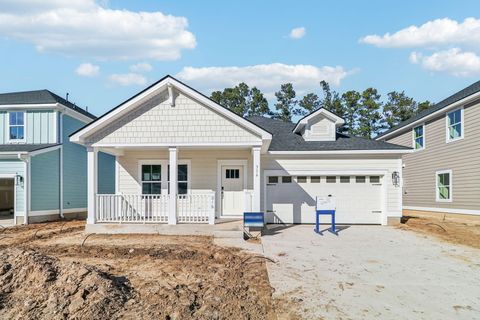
{"x": 372, "y": 272}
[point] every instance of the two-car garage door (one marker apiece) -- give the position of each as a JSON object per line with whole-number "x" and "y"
{"x": 291, "y": 199}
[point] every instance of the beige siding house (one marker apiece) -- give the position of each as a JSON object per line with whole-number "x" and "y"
{"x": 442, "y": 175}
{"x": 183, "y": 159}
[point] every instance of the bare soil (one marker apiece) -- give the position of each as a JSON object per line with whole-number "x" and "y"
{"x": 466, "y": 232}
{"x": 45, "y": 272}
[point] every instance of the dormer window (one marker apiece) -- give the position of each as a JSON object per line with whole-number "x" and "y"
{"x": 16, "y": 122}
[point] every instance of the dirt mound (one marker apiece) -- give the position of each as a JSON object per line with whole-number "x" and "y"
{"x": 35, "y": 286}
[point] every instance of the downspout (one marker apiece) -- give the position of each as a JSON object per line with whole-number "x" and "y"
{"x": 60, "y": 135}
{"x": 26, "y": 186}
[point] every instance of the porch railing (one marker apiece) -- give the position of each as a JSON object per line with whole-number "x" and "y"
{"x": 248, "y": 200}
{"x": 133, "y": 208}
{"x": 196, "y": 208}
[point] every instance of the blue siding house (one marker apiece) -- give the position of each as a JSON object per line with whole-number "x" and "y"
{"x": 43, "y": 176}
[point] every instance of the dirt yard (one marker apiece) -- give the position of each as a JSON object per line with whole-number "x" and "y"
{"x": 45, "y": 272}
{"x": 454, "y": 230}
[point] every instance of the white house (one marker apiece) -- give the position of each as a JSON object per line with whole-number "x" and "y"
{"x": 182, "y": 158}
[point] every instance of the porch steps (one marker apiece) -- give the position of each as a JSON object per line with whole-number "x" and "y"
{"x": 228, "y": 228}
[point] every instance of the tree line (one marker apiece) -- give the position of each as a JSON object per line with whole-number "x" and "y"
{"x": 365, "y": 113}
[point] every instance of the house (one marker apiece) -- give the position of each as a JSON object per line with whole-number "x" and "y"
{"x": 442, "y": 175}
{"x": 183, "y": 158}
{"x": 43, "y": 174}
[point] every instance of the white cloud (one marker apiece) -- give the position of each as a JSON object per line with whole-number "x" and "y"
{"x": 453, "y": 61}
{"x": 432, "y": 33}
{"x": 297, "y": 33}
{"x": 141, "y": 67}
{"x": 85, "y": 28}
{"x": 87, "y": 70}
{"x": 267, "y": 77}
{"x": 127, "y": 79}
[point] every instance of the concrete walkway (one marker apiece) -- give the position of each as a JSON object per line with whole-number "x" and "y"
{"x": 372, "y": 272}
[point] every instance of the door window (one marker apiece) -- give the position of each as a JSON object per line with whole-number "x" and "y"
{"x": 232, "y": 174}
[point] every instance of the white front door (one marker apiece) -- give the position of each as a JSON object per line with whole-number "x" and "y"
{"x": 233, "y": 200}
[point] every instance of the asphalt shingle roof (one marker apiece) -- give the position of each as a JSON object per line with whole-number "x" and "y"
{"x": 39, "y": 97}
{"x": 284, "y": 139}
{"x": 474, "y": 88}
{"x": 25, "y": 147}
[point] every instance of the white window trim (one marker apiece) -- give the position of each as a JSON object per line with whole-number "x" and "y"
{"x": 164, "y": 163}
{"x": 462, "y": 123}
{"x": 24, "y": 127}
{"x": 437, "y": 197}
{"x": 423, "y": 136}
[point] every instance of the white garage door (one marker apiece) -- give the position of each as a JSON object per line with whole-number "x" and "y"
{"x": 291, "y": 199}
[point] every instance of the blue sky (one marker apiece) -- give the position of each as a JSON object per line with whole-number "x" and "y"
{"x": 105, "y": 51}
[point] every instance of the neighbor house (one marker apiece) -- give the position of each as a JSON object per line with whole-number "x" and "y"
{"x": 442, "y": 175}
{"x": 183, "y": 158}
{"x": 43, "y": 174}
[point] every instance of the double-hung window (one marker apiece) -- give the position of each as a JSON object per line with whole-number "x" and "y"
{"x": 151, "y": 179}
{"x": 16, "y": 122}
{"x": 444, "y": 186}
{"x": 182, "y": 178}
{"x": 419, "y": 137}
{"x": 455, "y": 125}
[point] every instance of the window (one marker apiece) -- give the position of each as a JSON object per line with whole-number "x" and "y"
{"x": 455, "y": 125}
{"x": 232, "y": 173}
{"x": 419, "y": 137}
{"x": 444, "y": 186}
{"x": 182, "y": 179}
{"x": 331, "y": 179}
{"x": 374, "y": 179}
{"x": 151, "y": 179}
{"x": 314, "y": 179}
{"x": 301, "y": 179}
{"x": 273, "y": 179}
{"x": 286, "y": 179}
{"x": 16, "y": 123}
{"x": 360, "y": 179}
{"x": 344, "y": 179}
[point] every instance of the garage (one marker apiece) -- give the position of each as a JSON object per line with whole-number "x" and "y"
{"x": 291, "y": 198}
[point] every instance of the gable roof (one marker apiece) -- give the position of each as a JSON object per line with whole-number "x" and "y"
{"x": 166, "y": 81}
{"x": 284, "y": 139}
{"x": 40, "y": 97}
{"x": 25, "y": 148}
{"x": 456, "y": 97}
{"x": 339, "y": 121}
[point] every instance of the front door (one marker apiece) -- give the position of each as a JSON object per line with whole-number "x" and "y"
{"x": 233, "y": 201}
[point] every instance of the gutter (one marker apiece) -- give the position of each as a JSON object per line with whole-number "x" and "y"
{"x": 26, "y": 185}
{"x": 341, "y": 152}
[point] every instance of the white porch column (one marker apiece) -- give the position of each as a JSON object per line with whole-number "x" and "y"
{"x": 256, "y": 179}
{"x": 92, "y": 172}
{"x": 173, "y": 159}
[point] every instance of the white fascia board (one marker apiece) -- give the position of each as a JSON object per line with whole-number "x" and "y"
{"x": 443, "y": 210}
{"x": 78, "y": 137}
{"x": 338, "y": 121}
{"x": 167, "y": 145}
{"x": 300, "y": 153}
{"x": 44, "y": 150}
{"x": 432, "y": 115}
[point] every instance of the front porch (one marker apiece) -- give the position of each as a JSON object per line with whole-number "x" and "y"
{"x": 169, "y": 186}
